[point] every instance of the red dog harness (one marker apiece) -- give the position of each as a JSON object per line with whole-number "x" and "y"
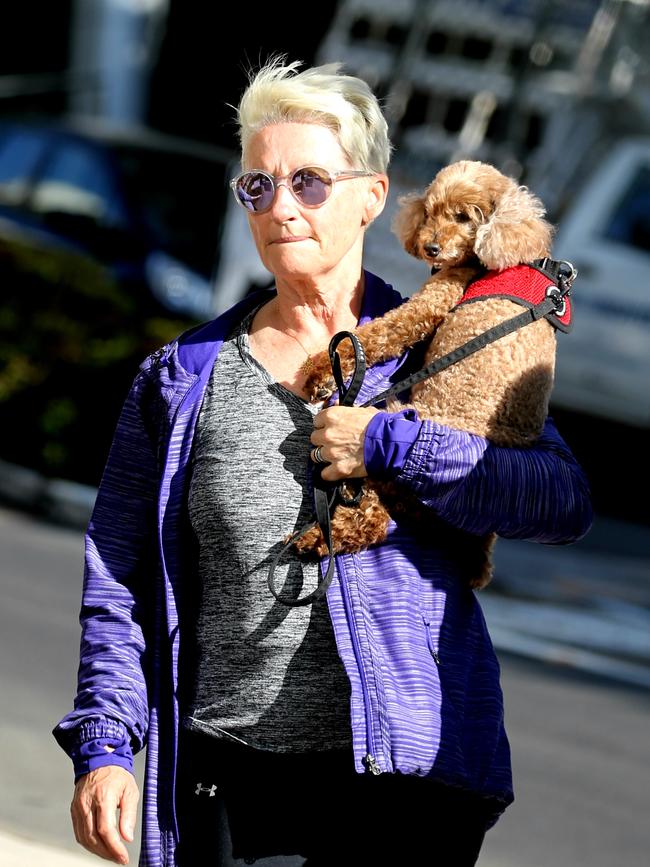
{"x": 527, "y": 285}
{"x": 542, "y": 287}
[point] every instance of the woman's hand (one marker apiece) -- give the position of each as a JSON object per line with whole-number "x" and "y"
{"x": 97, "y": 795}
{"x": 340, "y": 431}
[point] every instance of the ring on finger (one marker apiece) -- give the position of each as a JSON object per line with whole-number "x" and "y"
{"x": 317, "y": 456}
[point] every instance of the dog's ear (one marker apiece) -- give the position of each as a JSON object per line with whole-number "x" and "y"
{"x": 515, "y": 232}
{"x": 408, "y": 221}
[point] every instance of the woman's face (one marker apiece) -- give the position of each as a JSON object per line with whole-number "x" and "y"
{"x": 295, "y": 242}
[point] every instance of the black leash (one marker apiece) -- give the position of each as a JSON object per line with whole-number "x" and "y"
{"x": 328, "y": 494}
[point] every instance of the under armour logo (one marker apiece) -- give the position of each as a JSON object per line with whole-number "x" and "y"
{"x": 199, "y": 788}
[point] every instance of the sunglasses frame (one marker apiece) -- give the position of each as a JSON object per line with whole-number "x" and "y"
{"x": 334, "y": 176}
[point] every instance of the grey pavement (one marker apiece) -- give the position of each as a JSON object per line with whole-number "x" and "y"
{"x": 585, "y": 605}
{"x": 16, "y": 851}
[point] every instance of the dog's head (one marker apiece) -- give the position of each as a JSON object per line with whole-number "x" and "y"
{"x": 471, "y": 211}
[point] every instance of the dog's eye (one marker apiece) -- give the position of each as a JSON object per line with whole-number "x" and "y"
{"x": 462, "y": 217}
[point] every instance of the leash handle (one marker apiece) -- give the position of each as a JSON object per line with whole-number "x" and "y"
{"x": 322, "y": 503}
{"x": 348, "y": 395}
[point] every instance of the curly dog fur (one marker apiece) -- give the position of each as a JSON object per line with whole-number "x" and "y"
{"x": 470, "y": 219}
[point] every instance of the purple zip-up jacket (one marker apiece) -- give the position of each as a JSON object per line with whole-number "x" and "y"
{"x": 425, "y": 694}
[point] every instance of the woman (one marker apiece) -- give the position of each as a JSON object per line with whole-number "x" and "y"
{"x": 366, "y": 728}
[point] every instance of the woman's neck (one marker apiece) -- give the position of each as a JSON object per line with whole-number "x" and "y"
{"x": 314, "y": 312}
{"x": 299, "y": 322}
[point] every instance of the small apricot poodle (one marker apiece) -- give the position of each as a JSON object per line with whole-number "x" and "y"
{"x": 471, "y": 219}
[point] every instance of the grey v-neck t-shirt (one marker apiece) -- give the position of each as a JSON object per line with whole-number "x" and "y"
{"x": 266, "y": 674}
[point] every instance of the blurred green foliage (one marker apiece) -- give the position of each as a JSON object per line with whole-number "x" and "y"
{"x": 71, "y": 341}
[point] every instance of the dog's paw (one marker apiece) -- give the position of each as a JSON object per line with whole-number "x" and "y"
{"x": 311, "y": 542}
{"x": 320, "y": 383}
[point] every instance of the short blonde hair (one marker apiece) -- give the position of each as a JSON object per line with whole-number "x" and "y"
{"x": 278, "y": 93}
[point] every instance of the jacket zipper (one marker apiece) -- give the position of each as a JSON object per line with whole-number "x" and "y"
{"x": 371, "y": 764}
{"x": 156, "y": 359}
{"x": 369, "y": 759}
{"x": 432, "y": 648}
{"x": 166, "y": 579}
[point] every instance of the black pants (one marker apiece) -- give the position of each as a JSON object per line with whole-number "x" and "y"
{"x": 236, "y": 804}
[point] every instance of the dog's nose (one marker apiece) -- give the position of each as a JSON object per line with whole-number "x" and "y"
{"x": 432, "y": 249}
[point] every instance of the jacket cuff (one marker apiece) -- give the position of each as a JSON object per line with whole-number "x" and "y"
{"x": 85, "y": 741}
{"x": 389, "y": 438}
{"x": 93, "y": 754}
{"x": 441, "y": 458}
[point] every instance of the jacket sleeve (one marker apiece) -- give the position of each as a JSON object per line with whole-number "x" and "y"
{"x": 111, "y": 706}
{"x": 539, "y": 493}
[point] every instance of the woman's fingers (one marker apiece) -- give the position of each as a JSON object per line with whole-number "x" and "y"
{"x": 340, "y": 433}
{"x": 97, "y": 798}
{"x": 129, "y": 811}
{"x": 107, "y": 832}
{"x": 84, "y": 821}
{"x": 341, "y": 424}
{"x": 342, "y": 462}
{"x": 83, "y": 816}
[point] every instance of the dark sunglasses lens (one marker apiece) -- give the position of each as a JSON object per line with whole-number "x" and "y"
{"x": 311, "y": 185}
{"x": 255, "y": 191}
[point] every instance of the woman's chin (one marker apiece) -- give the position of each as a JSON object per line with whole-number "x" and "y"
{"x": 292, "y": 260}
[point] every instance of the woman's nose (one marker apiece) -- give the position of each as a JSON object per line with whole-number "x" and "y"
{"x": 284, "y": 204}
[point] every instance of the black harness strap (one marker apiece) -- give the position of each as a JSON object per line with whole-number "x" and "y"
{"x": 553, "y": 303}
{"x": 530, "y": 315}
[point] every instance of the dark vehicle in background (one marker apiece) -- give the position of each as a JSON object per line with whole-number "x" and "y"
{"x": 603, "y": 369}
{"x": 601, "y": 395}
{"x": 109, "y": 241}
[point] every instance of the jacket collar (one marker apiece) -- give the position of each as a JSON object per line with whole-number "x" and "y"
{"x": 197, "y": 349}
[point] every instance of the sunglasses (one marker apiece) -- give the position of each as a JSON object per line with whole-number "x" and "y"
{"x": 311, "y": 186}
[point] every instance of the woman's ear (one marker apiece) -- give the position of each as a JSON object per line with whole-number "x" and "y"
{"x": 376, "y": 198}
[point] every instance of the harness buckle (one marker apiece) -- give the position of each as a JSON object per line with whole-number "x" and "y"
{"x": 557, "y": 294}
{"x": 566, "y": 274}
{"x": 350, "y": 492}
